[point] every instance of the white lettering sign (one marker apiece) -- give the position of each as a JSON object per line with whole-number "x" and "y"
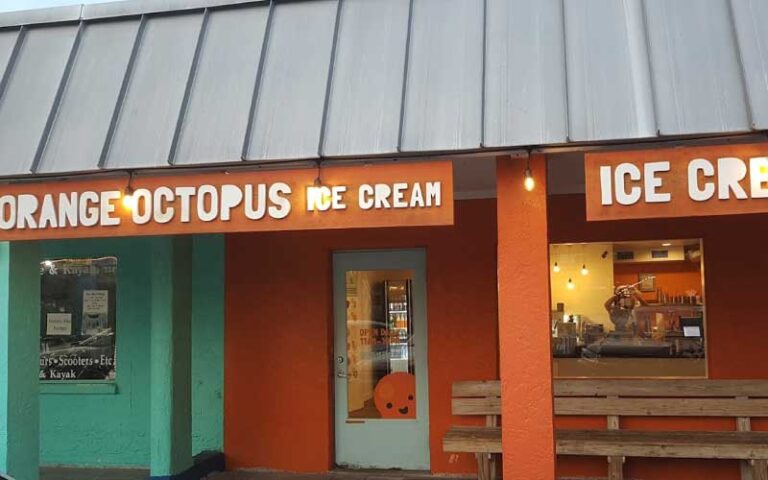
{"x": 731, "y": 178}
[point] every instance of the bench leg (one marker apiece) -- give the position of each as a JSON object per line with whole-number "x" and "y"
{"x": 616, "y": 468}
{"x": 483, "y": 466}
{"x": 746, "y": 469}
{"x": 759, "y": 469}
{"x": 492, "y": 459}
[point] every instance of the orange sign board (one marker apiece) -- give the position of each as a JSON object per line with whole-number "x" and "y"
{"x": 677, "y": 182}
{"x": 382, "y": 195}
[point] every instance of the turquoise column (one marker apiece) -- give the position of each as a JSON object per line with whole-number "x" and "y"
{"x": 19, "y": 359}
{"x": 170, "y": 352}
{"x": 208, "y": 343}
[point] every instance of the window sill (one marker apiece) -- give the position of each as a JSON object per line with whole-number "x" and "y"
{"x": 78, "y": 388}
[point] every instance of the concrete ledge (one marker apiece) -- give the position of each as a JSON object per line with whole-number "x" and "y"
{"x": 205, "y": 463}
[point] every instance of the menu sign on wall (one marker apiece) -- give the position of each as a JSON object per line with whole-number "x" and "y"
{"x": 677, "y": 182}
{"x": 382, "y": 195}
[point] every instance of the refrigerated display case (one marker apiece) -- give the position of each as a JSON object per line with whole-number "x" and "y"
{"x": 399, "y": 318}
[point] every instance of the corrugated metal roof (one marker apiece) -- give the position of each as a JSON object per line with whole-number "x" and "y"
{"x": 143, "y": 84}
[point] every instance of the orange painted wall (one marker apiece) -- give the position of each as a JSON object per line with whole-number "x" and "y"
{"x": 278, "y": 345}
{"x": 524, "y": 310}
{"x": 735, "y": 271}
{"x": 675, "y": 278}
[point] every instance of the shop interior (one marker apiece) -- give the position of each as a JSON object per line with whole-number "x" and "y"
{"x": 379, "y": 337}
{"x": 628, "y": 309}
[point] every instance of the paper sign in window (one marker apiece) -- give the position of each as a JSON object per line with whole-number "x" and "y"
{"x": 96, "y": 302}
{"x": 691, "y": 331}
{"x": 58, "y": 324}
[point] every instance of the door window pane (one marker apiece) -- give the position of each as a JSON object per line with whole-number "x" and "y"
{"x": 380, "y": 348}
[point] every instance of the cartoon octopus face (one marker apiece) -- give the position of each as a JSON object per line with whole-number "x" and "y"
{"x": 395, "y": 396}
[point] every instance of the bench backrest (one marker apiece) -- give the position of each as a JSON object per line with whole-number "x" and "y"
{"x": 662, "y": 398}
{"x": 476, "y": 398}
{"x": 657, "y": 398}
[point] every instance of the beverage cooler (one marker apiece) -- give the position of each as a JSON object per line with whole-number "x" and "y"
{"x": 399, "y": 318}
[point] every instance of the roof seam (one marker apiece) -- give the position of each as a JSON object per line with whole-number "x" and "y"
{"x": 483, "y": 74}
{"x": 566, "y": 107}
{"x": 651, "y": 84}
{"x": 188, "y": 89}
{"x": 329, "y": 80}
{"x": 742, "y": 70}
{"x": 403, "y": 94}
{"x": 257, "y": 82}
{"x": 122, "y": 93}
{"x": 11, "y": 64}
{"x": 65, "y": 76}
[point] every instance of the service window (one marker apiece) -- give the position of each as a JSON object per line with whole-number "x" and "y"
{"x": 77, "y": 321}
{"x": 628, "y": 309}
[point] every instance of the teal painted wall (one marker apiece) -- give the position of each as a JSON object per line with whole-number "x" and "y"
{"x": 208, "y": 344}
{"x": 112, "y": 428}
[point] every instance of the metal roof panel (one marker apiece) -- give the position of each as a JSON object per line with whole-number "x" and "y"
{"x": 66, "y": 13}
{"x": 609, "y": 81}
{"x": 444, "y": 85}
{"x": 367, "y": 84}
{"x": 80, "y": 127}
{"x": 291, "y": 96}
{"x": 697, "y": 77}
{"x": 389, "y": 75}
{"x": 7, "y": 42}
{"x": 29, "y": 94}
{"x": 93, "y": 11}
{"x": 751, "y": 23}
{"x": 525, "y": 96}
{"x": 214, "y": 126}
{"x": 147, "y": 118}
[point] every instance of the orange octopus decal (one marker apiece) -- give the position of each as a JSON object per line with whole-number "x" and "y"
{"x": 395, "y": 396}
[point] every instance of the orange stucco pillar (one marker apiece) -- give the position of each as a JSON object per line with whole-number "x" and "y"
{"x": 524, "y": 334}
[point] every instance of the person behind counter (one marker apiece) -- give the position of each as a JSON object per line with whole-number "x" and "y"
{"x": 621, "y": 304}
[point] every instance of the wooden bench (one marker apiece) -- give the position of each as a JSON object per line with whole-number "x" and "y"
{"x": 477, "y": 398}
{"x": 613, "y": 399}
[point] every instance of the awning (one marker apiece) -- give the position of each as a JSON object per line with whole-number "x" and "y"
{"x": 144, "y": 84}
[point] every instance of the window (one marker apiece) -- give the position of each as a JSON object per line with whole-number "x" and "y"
{"x": 77, "y": 321}
{"x": 628, "y": 309}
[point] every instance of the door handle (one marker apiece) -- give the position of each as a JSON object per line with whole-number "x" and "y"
{"x": 340, "y": 374}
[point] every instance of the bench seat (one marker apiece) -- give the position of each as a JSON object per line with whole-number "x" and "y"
{"x": 624, "y": 443}
{"x": 676, "y": 444}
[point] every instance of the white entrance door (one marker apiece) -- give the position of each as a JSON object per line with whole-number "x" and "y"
{"x": 382, "y": 417}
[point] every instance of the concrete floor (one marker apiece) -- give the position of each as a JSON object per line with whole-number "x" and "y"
{"x": 335, "y": 475}
{"x": 50, "y": 473}
{"x": 119, "y": 474}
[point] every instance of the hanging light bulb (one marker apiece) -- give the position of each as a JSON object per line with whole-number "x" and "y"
{"x": 571, "y": 285}
{"x": 529, "y": 183}
{"x": 584, "y": 270}
{"x": 128, "y": 200}
{"x": 318, "y": 195}
{"x": 556, "y": 268}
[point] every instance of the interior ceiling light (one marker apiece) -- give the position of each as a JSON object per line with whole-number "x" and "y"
{"x": 571, "y": 285}
{"x": 556, "y": 268}
{"x": 584, "y": 270}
